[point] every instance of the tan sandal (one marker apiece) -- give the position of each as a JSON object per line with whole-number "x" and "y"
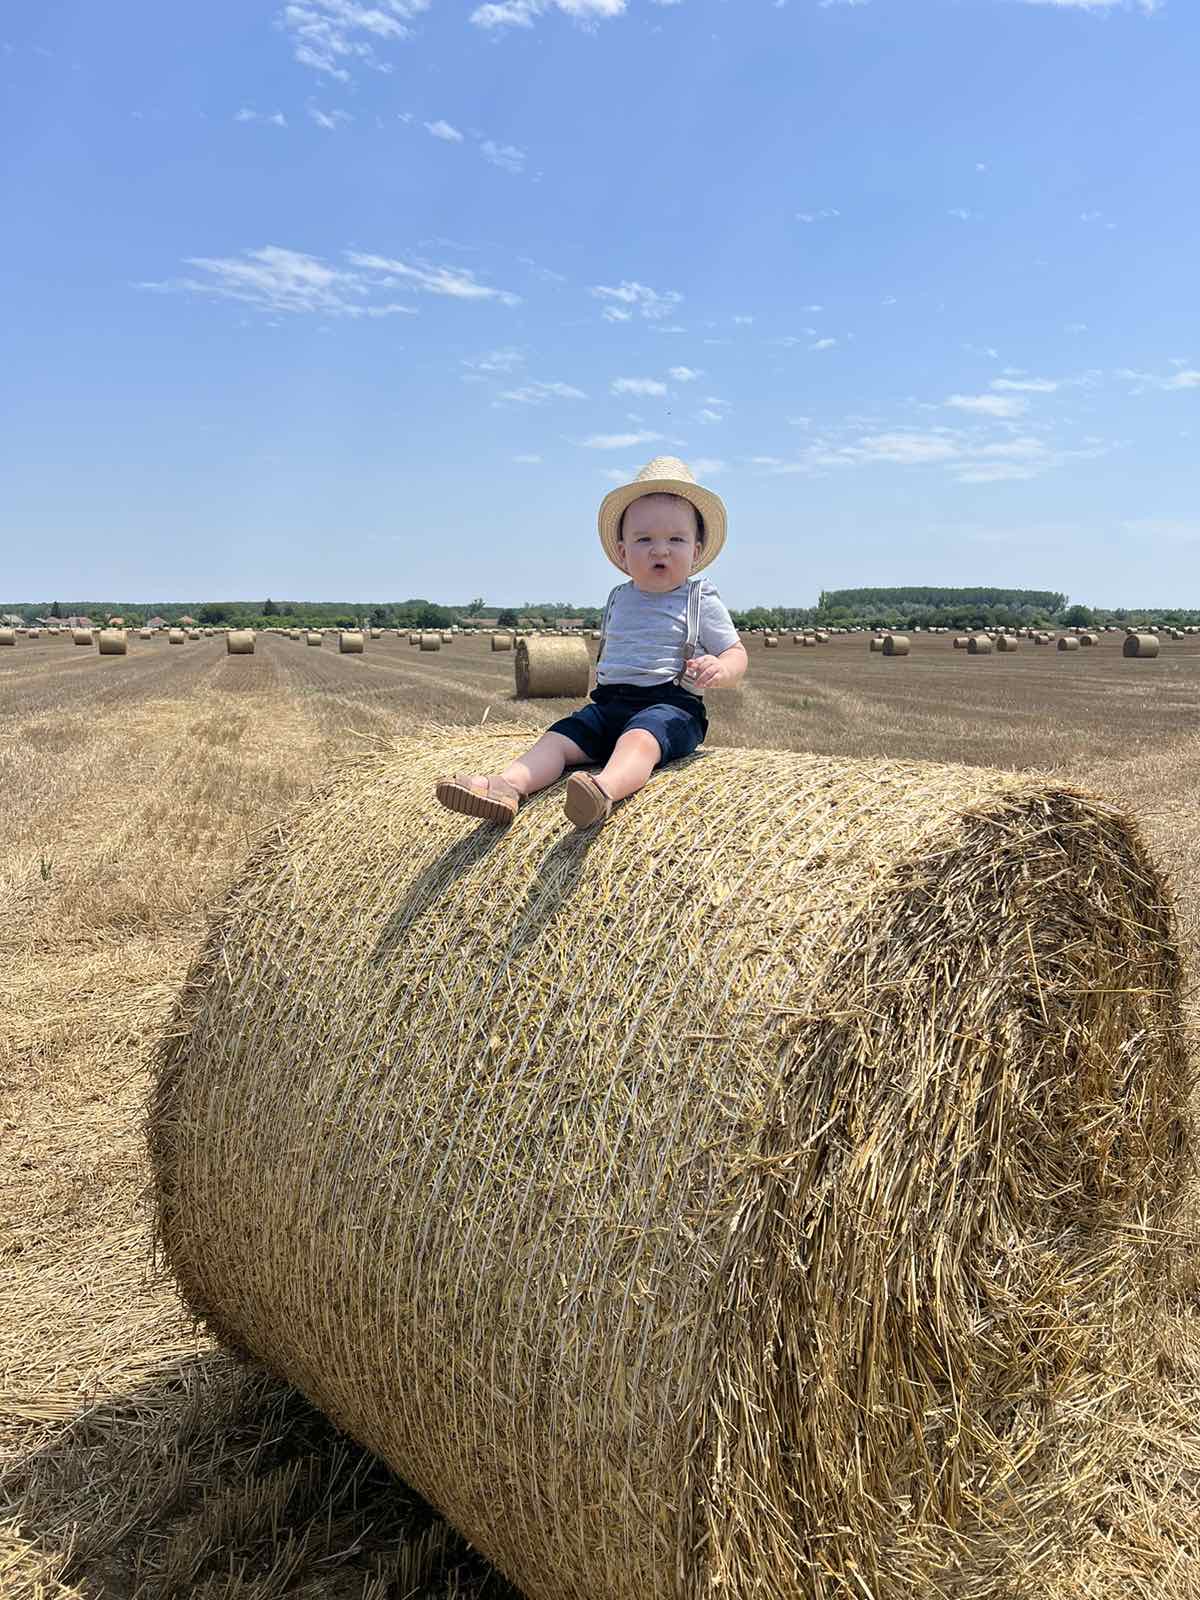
{"x": 586, "y": 802}
{"x": 497, "y": 802}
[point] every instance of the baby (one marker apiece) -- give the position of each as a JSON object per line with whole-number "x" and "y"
{"x": 666, "y": 638}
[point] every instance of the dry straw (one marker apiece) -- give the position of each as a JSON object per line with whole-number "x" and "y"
{"x": 145, "y": 633}
{"x": 431, "y": 641}
{"x": 314, "y": 638}
{"x": 979, "y": 644}
{"x": 113, "y": 642}
{"x": 811, "y": 1271}
{"x": 1068, "y": 642}
{"x": 239, "y": 642}
{"x": 961, "y": 642}
{"x": 1088, "y": 639}
{"x": 770, "y": 642}
{"x": 1140, "y": 644}
{"x": 895, "y": 644}
{"x": 552, "y": 669}
{"x": 350, "y": 644}
{"x": 877, "y": 645}
{"x": 447, "y": 637}
{"x": 84, "y": 635}
{"x": 502, "y": 641}
{"x": 1006, "y": 643}
{"x": 809, "y": 642}
{"x": 8, "y": 636}
{"x": 194, "y": 633}
{"x": 377, "y": 633}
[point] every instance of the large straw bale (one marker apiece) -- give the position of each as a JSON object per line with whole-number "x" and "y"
{"x": 1140, "y": 644}
{"x": 552, "y": 669}
{"x": 194, "y": 633}
{"x": 808, "y": 1272}
{"x": 81, "y": 635}
{"x": 1069, "y": 642}
{"x": 414, "y": 638}
{"x": 961, "y": 642}
{"x": 808, "y": 641}
{"x": 431, "y": 641}
{"x": 895, "y": 644}
{"x": 1086, "y": 640}
{"x": 350, "y": 644}
{"x": 502, "y": 641}
{"x": 980, "y": 644}
{"x": 1007, "y": 643}
{"x": 239, "y": 642}
{"x": 8, "y": 636}
{"x": 113, "y": 642}
{"x": 145, "y": 633}
{"x": 447, "y": 637}
{"x": 314, "y": 638}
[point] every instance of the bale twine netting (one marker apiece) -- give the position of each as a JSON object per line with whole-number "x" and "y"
{"x": 113, "y": 642}
{"x": 808, "y": 1272}
{"x": 552, "y": 669}
{"x": 502, "y": 641}
{"x": 239, "y": 642}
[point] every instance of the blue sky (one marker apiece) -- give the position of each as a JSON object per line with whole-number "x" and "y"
{"x": 367, "y": 300}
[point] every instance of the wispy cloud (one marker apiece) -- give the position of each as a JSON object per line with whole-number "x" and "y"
{"x": 642, "y": 386}
{"x": 823, "y": 344}
{"x": 629, "y": 298}
{"x": 332, "y": 120}
{"x": 684, "y": 374}
{"x": 618, "y": 441}
{"x": 537, "y": 394}
{"x": 328, "y": 35}
{"x": 1146, "y": 7}
{"x": 444, "y": 130}
{"x": 276, "y": 119}
{"x": 988, "y": 405}
{"x": 709, "y": 466}
{"x": 967, "y": 456}
{"x": 506, "y": 156}
{"x": 505, "y": 360}
{"x": 523, "y": 13}
{"x": 1184, "y": 378}
{"x": 1026, "y": 385}
{"x": 827, "y": 214}
{"x": 276, "y": 279}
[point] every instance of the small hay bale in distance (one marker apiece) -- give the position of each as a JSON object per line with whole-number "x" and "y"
{"x": 980, "y": 644}
{"x": 1086, "y": 640}
{"x": 895, "y": 644}
{"x": 1143, "y": 645}
{"x": 145, "y": 633}
{"x": 1068, "y": 642}
{"x": 314, "y": 638}
{"x": 770, "y": 642}
{"x": 194, "y": 633}
{"x": 961, "y": 641}
{"x": 414, "y": 639}
{"x": 877, "y": 644}
{"x": 113, "y": 642}
{"x": 81, "y": 635}
{"x": 350, "y": 644}
{"x": 511, "y": 1247}
{"x": 1006, "y": 643}
{"x": 502, "y": 641}
{"x": 377, "y": 633}
{"x": 808, "y": 642}
{"x": 431, "y": 641}
{"x": 820, "y": 638}
{"x": 239, "y": 642}
{"x": 552, "y": 669}
{"x": 447, "y": 637}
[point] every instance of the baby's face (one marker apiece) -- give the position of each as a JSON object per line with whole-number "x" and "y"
{"x": 658, "y": 546}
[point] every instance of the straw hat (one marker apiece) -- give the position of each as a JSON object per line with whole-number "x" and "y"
{"x": 664, "y": 475}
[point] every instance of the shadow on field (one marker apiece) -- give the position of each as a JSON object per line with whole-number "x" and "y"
{"x": 217, "y": 1480}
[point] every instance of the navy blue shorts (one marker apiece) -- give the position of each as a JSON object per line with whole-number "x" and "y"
{"x": 676, "y": 719}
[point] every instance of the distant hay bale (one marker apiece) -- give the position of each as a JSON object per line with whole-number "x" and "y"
{"x": 820, "y": 638}
{"x": 414, "y": 639}
{"x": 554, "y": 669}
{"x": 447, "y": 637}
{"x": 193, "y": 633}
{"x": 808, "y": 642}
{"x": 1087, "y": 639}
{"x": 502, "y": 641}
{"x": 9, "y": 636}
{"x": 770, "y": 642}
{"x": 431, "y": 641}
{"x": 176, "y": 636}
{"x": 377, "y": 633}
{"x": 877, "y": 645}
{"x": 145, "y": 633}
{"x": 113, "y": 642}
{"x": 895, "y": 644}
{"x": 1068, "y": 642}
{"x": 797, "y": 638}
{"x": 81, "y": 635}
{"x": 961, "y": 641}
{"x": 1007, "y": 642}
{"x": 1144, "y": 645}
{"x": 653, "y": 1290}
{"x": 239, "y": 642}
{"x": 293, "y": 633}
{"x": 314, "y": 638}
{"x": 980, "y": 644}
{"x": 350, "y": 644}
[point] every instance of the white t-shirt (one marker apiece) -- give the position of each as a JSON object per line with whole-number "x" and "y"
{"x": 647, "y": 634}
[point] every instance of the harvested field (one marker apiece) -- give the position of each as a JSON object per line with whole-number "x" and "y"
{"x": 145, "y": 1462}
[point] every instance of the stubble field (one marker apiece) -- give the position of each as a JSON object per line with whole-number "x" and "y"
{"x": 135, "y": 1458}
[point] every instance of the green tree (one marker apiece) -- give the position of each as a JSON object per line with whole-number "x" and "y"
{"x": 379, "y": 617}
{"x": 56, "y": 610}
{"x": 210, "y": 615}
{"x": 507, "y": 619}
{"x": 270, "y": 609}
{"x": 1078, "y": 617}
{"x": 475, "y": 608}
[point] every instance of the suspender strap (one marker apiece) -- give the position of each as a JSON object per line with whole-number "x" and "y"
{"x": 695, "y": 595}
{"x": 604, "y": 625}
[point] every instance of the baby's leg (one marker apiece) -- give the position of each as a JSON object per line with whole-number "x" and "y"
{"x": 539, "y": 767}
{"x": 634, "y": 758}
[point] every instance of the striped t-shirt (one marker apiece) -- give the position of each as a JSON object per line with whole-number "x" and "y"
{"x": 647, "y": 634}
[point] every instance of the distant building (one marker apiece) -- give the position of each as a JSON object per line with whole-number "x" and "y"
{"x": 10, "y": 619}
{"x": 187, "y": 622}
{"x": 156, "y": 622}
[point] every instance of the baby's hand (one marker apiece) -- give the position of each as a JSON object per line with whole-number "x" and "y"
{"x": 704, "y": 672}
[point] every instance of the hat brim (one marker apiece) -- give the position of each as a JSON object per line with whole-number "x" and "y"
{"x": 710, "y": 506}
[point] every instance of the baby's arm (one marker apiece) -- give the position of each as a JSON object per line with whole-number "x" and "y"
{"x": 717, "y": 672}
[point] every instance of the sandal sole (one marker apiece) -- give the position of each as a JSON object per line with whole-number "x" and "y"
{"x": 469, "y": 803}
{"x": 582, "y": 806}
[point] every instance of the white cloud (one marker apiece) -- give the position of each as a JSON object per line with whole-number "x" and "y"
{"x": 709, "y": 415}
{"x": 455, "y": 282}
{"x": 276, "y": 119}
{"x": 1026, "y": 385}
{"x": 961, "y": 213}
{"x": 537, "y": 394}
{"x": 279, "y": 280}
{"x": 825, "y": 215}
{"x": 444, "y": 130}
{"x": 327, "y": 34}
{"x": 506, "y": 360}
{"x": 618, "y": 441}
{"x": 823, "y": 344}
{"x": 709, "y": 466}
{"x": 329, "y": 119}
{"x": 684, "y": 374}
{"x": 1184, "y": 378}
{"x": 641, "y": 386}
{"x": 743, "y": 322}
{"x": 988, "y": 405}
{"x": 631, "y": 297}
{"x": 521, "y": 13}
{"x": 1146, "y": 7}
{"x": 507, "y": 156}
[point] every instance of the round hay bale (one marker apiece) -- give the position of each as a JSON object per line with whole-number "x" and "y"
{"x": 502, "y": 641}
{"x": 555, "y": 1237}
{"x": 239, "y": 642}
{"x": 293, "y": 633}
{"x": 1007, "y": 643}
{"x": 961, "y": 641}
{"x": 350, "y": 644}
{"x": 770, "y": 642}
{"x": 113, "y": 642}
{"x": 431, "y": 641}
{"x": 820, "y": 638}
{"x": 414, "y": 639}
{"x": 979, "y": 644}
{"x": 8, "y": 636}
{"x": 555, "y": 669}
{"x": 377, "y": 633}
{"x": 447, "y": 637}
{"x": 81, "y": 635}
{"x": 1144, "y": 645}
{"x": 895, "y": 644}
{"x": 194, "y": 633}
{"x": 1068, "y": 642}
{"x": 1088, "y": 639}
{"x": 877, "y": 645}
{"x": 145, "y": 633}
{"x": 314, "y": 638}
{"x": 797, "y": 638}
{"x": 808, "y": 642}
